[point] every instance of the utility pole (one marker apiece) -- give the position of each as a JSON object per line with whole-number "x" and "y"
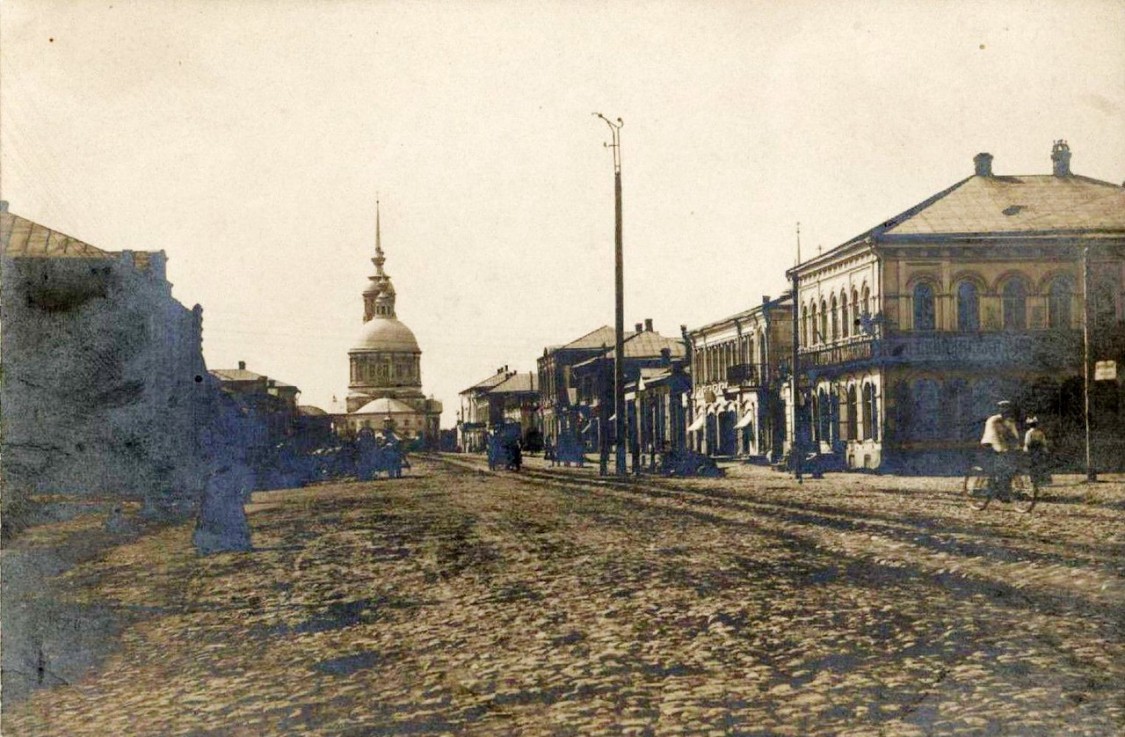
{"x": 1087, "y": 363}
{"x": 619, "y": 294}
{"x": 794, "y": 374}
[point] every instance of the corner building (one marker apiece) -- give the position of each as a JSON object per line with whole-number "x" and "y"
{"x": 911, "y": 332}
{"x": 385, "y": 363}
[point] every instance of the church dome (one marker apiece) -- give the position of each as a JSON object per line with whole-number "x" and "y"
{"x": 385, "y": 334}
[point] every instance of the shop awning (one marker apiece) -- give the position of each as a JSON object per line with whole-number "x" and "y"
{"x": 695, "y": 426}
{"x": 745, "y": 421}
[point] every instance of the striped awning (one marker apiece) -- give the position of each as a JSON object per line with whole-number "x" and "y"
{"x": 695, "y": 426}
{"x": 745, "y": 421}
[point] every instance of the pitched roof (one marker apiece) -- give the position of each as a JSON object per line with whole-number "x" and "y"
{"x": 645, "y": 344}
{"x": 20, "y": 237}
{"x": 605, "y": 335}
{"x": 383, "y": 406}
{"x": 236, "y": 375}
{"x": 1041, "y": 203}
{"x": 488, "y": 383}
{"x": 517, "y": 383}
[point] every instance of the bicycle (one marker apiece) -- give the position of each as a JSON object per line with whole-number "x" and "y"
{"x": 981, "y": 486}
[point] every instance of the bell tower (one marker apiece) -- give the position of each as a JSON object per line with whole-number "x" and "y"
{"x": 379, "y": 297}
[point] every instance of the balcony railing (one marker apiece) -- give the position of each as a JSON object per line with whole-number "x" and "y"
{"x": 1042, "y": 348}
{"x": 745, "y": 374}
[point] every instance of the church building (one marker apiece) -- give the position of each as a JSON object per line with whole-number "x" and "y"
{"x": 385, "y": 385}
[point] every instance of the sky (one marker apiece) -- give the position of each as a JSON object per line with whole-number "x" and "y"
{"x": 250, "y": 139}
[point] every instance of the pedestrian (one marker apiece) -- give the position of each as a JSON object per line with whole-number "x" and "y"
{"x": 1035, "y": 445}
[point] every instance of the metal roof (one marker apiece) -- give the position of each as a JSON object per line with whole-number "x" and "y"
{"x": 1000, "y": 204}
{"x": 605, "y": 335}
{"x": 517, "y": 383}
{"x": 20, "y": 237}
{"x": 384, "y": 406}
{"x": 236, "y": 375}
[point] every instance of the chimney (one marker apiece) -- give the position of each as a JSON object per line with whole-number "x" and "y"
{"x": 665, "y": 356}
{"x": 983, "y": 164}
{"x": 1060, "y": 156}
{"x": 241, "y": 365}
{"x": 648, "y": 324}
{"x": 639, "y": 327}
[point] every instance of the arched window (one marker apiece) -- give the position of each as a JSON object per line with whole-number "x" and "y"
{"x": 866, "y": 300}
{"x": 968, "y": 307}
{"x": 851, "y": 429}
{"x": 870, "y": 412}
{"x": 824, "y": 335}
{"x": 805, "y": 325}
{"x": 855, "y": 312}
{"x": 1015, "y": 304}
{"x": 923, "y": 306}
{"x": 824, "y": 417}
{"x": 835, "y": 319}
{"x": 1058, "y": 302}
{"x": 845, "y": 315}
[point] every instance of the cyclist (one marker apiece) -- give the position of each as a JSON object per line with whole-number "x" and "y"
{"x": 1001, "y": 440}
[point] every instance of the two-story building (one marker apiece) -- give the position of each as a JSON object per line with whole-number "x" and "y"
{"x": 736, "y": 409}
{"x": 474, "y": 416}
{"x": 557, "y": 395}
{"x": 594, "y": 378}
{"x": 911, "y": 332}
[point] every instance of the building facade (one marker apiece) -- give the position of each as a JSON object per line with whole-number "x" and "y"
{"x": 736, "y": 408}
{"x": 911, "y": 332}
{"x": 385, "y": 363}
{"x": 105, "y": 388}
{"x": 593, "y": 381}
{"x": 558, "y": 396}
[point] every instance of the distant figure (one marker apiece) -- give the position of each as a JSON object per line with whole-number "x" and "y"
{"x": 1035, "y": 445}
{"x": 549, "y": 451}
{"x": 515, "y": 455}
{"x": 367, "y": 455}
{"x": 492, "y": 447}
{"x": 392, "y": 455}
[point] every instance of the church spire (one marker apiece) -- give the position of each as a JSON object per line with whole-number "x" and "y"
{"x": 379, "y": 297}
{"x": 379, "y": 259}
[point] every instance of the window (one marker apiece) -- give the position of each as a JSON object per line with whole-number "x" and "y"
{"x": 815, "y": 327}
{"x": 1015, "y": 304}
{"x": 1058, "y": 303}
{"x": 968, "y": 307}
{"x": 844, "y": 314}
{"x": 1104, "y": 293}
{"x": 870, "y": 412}
{"x": 805, "y": 325}
{"x": 855, "y": 312}
{"x": 823, "y": 320}
{"x": 835, "y": 319}
{"x": 851, "y": 430}
{"x": 923, "y": 306}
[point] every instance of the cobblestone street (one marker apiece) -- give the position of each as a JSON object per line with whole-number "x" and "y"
{"x": 459, "y": 601}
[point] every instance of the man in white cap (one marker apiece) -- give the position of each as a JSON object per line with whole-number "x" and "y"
{"x": 1002, "y": 437}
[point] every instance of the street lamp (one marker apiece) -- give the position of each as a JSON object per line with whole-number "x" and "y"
{"x": 619, "y": 289}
